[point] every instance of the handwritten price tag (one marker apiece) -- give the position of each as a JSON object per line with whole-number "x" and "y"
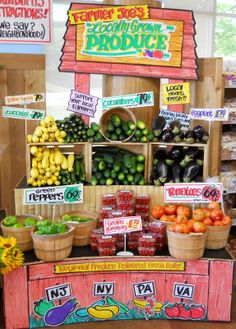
{"x": 122, "y": 225}
{"x": 22, "y": 113}
{"x": 210, "y": 114}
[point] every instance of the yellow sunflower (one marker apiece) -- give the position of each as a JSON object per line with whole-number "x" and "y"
{"x": 5, "y": 257}
{"x": 16, "y": 257}
{"x": 8, "y": 242}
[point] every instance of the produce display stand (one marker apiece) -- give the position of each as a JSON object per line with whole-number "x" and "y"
{"x": 88, "y": 288}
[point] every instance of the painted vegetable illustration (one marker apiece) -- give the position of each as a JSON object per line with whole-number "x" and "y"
{"x": 103, "y": 312}
{"x": 42, "y": 306}
{"x": 58, "y": 315}
{"x": 83, "y": 313}
{"x": 143, "y": 303}
{"x": 113, "y": 302}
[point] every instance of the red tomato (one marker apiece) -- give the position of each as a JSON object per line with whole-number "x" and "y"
{"x": 207, "y": 212}
{"x": 217, "y": 214}
{"x": 199, "y": 227}
{"x": 218, "y": 223}
{"x": 198, "y": 215}
{"x": 182, "y": 210}
{"x": 226, "y": 220}
{"x": 208, "y": 221}
{"x": 171, "y": 227}
{"x": 197, "y": 312}
{"x": 170, "y": 209}
{"x": 185, "y": 229}
{"x": 165, "y": 218}
{"x": 172, "y": 218}
{"x": 184, "y": 313}
{"x": 190, "y": 225}
{"x": 181, "y": 219}
{"x": 157, "y": 212}
{"x": 213, "y": 205}
{"x": 179, "y": 228}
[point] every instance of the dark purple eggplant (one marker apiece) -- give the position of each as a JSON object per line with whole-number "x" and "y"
{"x": 160, "y": 154}
{"x": 190, "y": 172}
{"x": 57, "y": 315}
{"x": 176, "y": 173}
{"x": 179, "y": 138}
{"x": 176, "y": 153}
{"x": 191, "y": 153}
{"x": 175, "y": 127}
{"x": 204, "y": 138}
{"x": 198, "y": 132}
{"x": 162, "y": 171}
{"x": 158, "y": 125}
{"x": 200, "y": 158}
{"x": 189, "y": 137}
{"x": 167, "y": 136}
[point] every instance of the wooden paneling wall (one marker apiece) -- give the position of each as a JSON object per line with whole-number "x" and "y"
{"x": 19, "y": 74}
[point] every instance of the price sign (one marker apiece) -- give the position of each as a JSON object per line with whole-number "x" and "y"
{"x": 170, "y": 116}
{"x": 193, "y": 192}
{"x": 21, "y": 113}
{"x": 210, "y": 114}
{"x": 54, "y": 195}
{"x": 122, "y": 225}
{"x": 129, "y": 101}
{"x": 24, "y": 99}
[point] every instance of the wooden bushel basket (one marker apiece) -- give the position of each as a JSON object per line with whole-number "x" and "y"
{"x": 123, "y": 113}
{"x": 82, "y": 230}
{"x": 186, "y": 246}
{"x": 217, "y": 236}
{"x": 53, "y": 247}
{"x": 22, "y": 235}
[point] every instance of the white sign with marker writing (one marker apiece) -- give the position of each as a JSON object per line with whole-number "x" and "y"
{"x": 209, "y": 114}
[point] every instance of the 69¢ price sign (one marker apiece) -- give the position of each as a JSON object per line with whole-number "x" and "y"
{"x": 54, "y": 195}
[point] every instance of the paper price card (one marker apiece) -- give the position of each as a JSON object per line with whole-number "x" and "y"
{"x": 24, "y": 99}
{"x": 54, "y": 195}
{"x": 193, "y": 192}
{"x": 122, "y": 225}
{"x": 22, "y": 113}
{"x": 210, "y": 114}
{"x": 82, "y": 103}
{"x": 177, "y": 93}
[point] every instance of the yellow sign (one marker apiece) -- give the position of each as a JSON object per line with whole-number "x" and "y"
{"x": 120, "y": 266}
{"x": 177, "y": 93}
{"x": 108, "y": 14}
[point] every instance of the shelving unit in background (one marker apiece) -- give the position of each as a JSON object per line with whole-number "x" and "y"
{"x": 228, "y": 146}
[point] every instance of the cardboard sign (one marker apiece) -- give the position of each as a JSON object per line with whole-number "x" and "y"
{"x": 122, "y": 225}
{"x": 22, "y": 113}
{"x": 210, "y": 114}
{"x": 130, "y": 40}
{"x": 24, "y": 99}
{"x": 103, "y": 288}
{"x": 58, "y": 292}
{"x": 170, "y": 116}
{"x": 82, "y": 103}
{"x": 54, "y": 195}
{"x": 184, "y": 290}
{"x": 25, "y": 21}
{"x": 177, "y": 93}
{"x": 107, "y": 14}
{"x": 128, "y": 101}
{"x": 144, "y": 288}
{"x": 193, "y": 192}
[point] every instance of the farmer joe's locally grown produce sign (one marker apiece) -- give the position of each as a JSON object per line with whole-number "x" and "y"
{"x": 130, "y": 40}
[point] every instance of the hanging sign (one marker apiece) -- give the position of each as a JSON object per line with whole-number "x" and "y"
{"x": 210, "y": 114}
{"x": 128, "y": 101}
{"x": 170, "y": 116}
{"x": 122, "y": 225}
{"x": 177, "y": 93}
{"x": 82, "y": 103}
{"x": 54, "y": 195}
{"x": 130, "y": 40}
{"x": 24, "y": 99}
{"x": 25, "y": 21}
{"x": 193, "y": 192}
{"x": 22, "y": 113}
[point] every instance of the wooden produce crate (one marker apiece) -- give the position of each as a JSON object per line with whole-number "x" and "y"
{"x": 76, "y": 148}
{"x": 154, "y": 146}
{"x": 138, "y": 148}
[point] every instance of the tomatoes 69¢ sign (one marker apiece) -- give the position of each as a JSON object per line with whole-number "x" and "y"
{"x": 193, "y": 192}
{"x": 54, "y": 195}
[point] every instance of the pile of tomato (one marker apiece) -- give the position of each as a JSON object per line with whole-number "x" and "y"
{"x": 186, "y": 221}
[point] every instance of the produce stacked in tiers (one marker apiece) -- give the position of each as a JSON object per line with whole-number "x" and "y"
{"x": 114, "y": 165}
{"x": 49, "y": 166}
{"x": 178, "y": 164}
{"x": 174, "y": 133}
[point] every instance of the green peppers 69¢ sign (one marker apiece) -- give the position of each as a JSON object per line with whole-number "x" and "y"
{"x": 54, "y": 195}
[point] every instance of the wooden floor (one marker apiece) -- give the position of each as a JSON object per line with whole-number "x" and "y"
{"x": 138, "y": 324}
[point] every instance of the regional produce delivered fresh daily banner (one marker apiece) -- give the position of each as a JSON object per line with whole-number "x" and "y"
{"x": 25, "y": 21}
{"x": 134, "y": 39}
